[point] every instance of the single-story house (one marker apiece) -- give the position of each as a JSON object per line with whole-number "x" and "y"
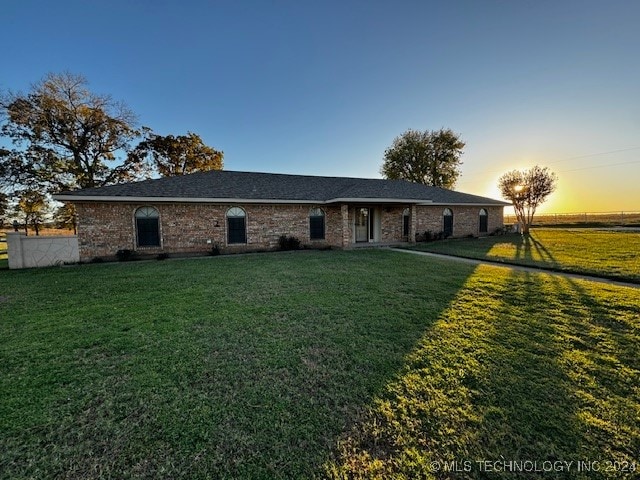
{"x": 245, "y": 211}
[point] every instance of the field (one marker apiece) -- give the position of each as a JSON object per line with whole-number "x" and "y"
{"x": 598, "y": 219}
{"x": 611, "y": 254}
{"x": 364, "y": 364}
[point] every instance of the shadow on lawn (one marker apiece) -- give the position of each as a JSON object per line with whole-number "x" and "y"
{"x": 522, "y": 367}
{"x": 526, "y": 402}
{"x": 526, "y": 245}
{"x": 600, "y": 356}
{"x": 251, "y": 367}
{"x": 363, "y": 364}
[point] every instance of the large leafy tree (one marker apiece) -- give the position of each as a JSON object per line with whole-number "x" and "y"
{"x": 429, "y": 157}
{"x": 179, "y": 155}
{"x": 527, "y": 190}
{"x": 65, "y": 136}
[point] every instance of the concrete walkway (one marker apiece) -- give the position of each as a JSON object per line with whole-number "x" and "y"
{"x": 520, "y": 268}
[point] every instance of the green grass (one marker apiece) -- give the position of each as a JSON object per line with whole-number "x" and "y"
{"x": 611, "y": 254}
{"x": 518, "y": 367}
{"x": 363, "y": 364}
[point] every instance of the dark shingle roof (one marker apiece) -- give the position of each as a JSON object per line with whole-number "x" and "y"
{"x": 228, "y": 185}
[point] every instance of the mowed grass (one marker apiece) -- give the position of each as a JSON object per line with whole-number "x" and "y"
{"x": 365, "y": 364}
{"x": 612, "y": 254}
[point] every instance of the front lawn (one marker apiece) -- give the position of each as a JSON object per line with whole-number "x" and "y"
{"x": 310, "y": 364}
{"x": 612, "y": 254}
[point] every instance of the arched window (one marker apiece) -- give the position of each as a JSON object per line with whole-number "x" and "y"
{"x": 147, "y": 227}
{"x": 447, "y": 222}
{"x": 406, "y": 219}
{"x": 236, "y": 225}
{"x": 316, "y": 224}
{"x": 484, "y": 221}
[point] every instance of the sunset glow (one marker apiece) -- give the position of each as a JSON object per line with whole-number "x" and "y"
{"x": 324, "y": 87}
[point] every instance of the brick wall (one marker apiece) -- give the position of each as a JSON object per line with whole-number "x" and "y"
{"x": 391, "y": 224}
{"x": 466, "y": 220}
{"x": 105, "y": 228}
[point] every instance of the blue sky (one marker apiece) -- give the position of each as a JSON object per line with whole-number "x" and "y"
{"x": 323, "y": 87}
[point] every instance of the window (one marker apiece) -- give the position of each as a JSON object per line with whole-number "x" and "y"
{"x": 406, "y": 217}
{"x": 447, "y": 223}
{"x": 484, "y": 221}
{"x": 147, "y": 227}
{"x": 236, "y": 225}
{"x": 316, "y": 224}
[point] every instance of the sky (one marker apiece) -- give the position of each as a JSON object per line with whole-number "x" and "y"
{"x": 323, "y": 87}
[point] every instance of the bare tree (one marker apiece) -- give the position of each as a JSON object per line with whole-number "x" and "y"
{"x": 527, "y": 189}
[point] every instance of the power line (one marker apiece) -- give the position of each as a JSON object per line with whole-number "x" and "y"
{"x": 595, "y": 154}
{"x": 573, "y": 170}
{"x": 485, "y": 172}
{"x": 600, "y": 166}
{"x": 565, "y": 160}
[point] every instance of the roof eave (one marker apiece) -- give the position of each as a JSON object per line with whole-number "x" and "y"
{"x": 364, "y": 200}
{"x": 472, "y": 204}
{"x": 371, "y": 200}
{"x": 138, "y": 199}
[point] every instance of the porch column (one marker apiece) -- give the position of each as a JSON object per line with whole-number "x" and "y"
{"x": 346, "y": 231}
{"x": 413, "y": 220}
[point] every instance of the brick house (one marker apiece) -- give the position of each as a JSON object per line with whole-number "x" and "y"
{"x": 243, "y": 211}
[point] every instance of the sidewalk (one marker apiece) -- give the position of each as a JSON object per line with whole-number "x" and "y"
{"x": 521, "y": 268}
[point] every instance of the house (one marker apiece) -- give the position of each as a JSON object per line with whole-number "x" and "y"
{"x": 245, "y": 211}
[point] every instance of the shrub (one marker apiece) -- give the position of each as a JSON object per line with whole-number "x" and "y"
{"x": 429, "y": 236}
{"x": 288, "y": 243}
{"x": 215, "y": 250}
{"x": 125, "y": 255}
{"x": 162, "y": 256}
{"x": 500, "y": 231}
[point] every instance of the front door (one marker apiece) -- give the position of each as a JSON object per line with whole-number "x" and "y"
{"x": 448, "y": 222}
{"x": 362, "y": 224}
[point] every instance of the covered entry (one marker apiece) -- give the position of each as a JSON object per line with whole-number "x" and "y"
{"x": 365, "y": 224}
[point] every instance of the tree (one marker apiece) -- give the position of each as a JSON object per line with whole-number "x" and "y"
{"x": 527, "y": 189}
{"x": 179, "y": 155}
{"x": 65, "y": 136}
{"x": 33, "y": 205}
{"x": 429, "y": 157}
{"x": 65, "y": 217}
{"x": 4, "y": 208}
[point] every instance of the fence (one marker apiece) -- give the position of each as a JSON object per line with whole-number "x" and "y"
{"x": 586, "y": 218}
{"x": 39, "y": 251}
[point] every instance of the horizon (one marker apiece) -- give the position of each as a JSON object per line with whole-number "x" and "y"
{"x": 324, "y": 89}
